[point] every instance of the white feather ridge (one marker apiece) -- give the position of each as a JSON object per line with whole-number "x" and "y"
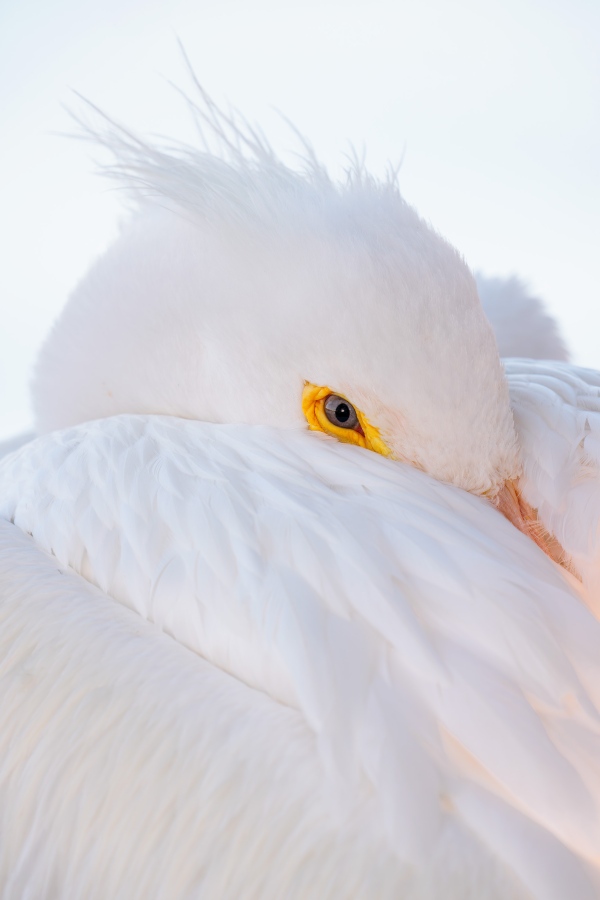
{"x": 13, "y": 443}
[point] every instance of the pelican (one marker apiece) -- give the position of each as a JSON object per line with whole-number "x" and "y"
{"x": 299, "y": 581}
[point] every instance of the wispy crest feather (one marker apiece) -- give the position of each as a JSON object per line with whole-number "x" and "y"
{"x": 234, "y": 171}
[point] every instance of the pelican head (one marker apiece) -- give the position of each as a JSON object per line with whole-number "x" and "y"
{"x": 243, "y": 291}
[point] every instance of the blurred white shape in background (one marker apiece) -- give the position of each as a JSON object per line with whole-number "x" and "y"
{"x": 522, "y": 325}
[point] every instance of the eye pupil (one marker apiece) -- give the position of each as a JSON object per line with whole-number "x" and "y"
{"x": 340, "y": 412}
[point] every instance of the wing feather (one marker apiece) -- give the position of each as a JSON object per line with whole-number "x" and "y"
{"x": 556, "y": 408}
{"x": 423, "y": 641}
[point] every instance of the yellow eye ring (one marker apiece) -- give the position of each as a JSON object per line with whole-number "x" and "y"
{"x": 364, "y": 435}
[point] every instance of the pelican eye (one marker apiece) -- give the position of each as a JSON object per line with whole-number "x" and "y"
{"x": 340, "y": 412}
{"x": 332, "y": 414}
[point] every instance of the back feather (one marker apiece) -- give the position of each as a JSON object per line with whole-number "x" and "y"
{"x": 445, "y": 667}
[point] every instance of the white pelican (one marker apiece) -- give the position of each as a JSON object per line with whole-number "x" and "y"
{"x": 414, "y": 707}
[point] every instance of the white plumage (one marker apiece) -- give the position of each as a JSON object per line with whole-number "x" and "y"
{"x": 441, "y": 673}
{"x": 557, "y": 415}
{"x": 414, "y": 707}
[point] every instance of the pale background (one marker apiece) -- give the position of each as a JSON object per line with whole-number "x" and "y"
{"x": 494, "y": 105}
